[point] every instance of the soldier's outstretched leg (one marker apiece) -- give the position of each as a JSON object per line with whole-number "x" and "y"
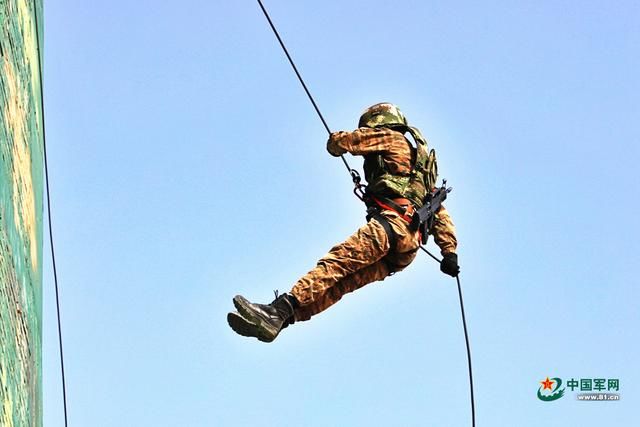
{"x": 372, "y": 273}
{"x": 363, "y": 258}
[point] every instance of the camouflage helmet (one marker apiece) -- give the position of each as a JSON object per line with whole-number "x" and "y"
{"x": 383, "y": 114}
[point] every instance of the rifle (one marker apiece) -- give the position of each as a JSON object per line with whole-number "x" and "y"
{"x": 423, "y": 217}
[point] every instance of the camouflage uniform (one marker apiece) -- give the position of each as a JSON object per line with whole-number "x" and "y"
{"x": 365, "y": 256}
{"x": 399, "y": 177}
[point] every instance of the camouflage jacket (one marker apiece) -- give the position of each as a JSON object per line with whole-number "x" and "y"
{"x": 396, "y": 152}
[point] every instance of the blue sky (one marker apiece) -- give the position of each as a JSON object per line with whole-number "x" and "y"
{"x": 188, "y": 166}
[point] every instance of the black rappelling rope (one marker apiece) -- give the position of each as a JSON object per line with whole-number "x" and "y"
{"x": 354, "y": 173}
{"x": 466, "y": 339}
{"x": 53, "y": 255}
{"x": 356, "y": 180}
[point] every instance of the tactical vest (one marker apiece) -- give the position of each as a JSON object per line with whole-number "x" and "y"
{"x": 413, "y": 185}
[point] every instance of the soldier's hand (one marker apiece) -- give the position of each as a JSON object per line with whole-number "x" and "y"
{"x": 449, "y": 264}
{"x": 332, "y": 144}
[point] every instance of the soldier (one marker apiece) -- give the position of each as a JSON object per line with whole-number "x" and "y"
{"x": 398, "y": 176}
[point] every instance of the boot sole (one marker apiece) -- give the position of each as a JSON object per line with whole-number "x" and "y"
{"x": 265, "y": 332}
{"x": 242, "y": 326}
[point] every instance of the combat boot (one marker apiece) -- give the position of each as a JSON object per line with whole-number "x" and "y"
{"x": 268, "y": 319}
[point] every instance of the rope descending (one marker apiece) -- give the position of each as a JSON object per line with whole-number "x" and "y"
{"x": 359, "y": 192}
{"x": 53, "y": 255}
{"x": 355, "y": 176}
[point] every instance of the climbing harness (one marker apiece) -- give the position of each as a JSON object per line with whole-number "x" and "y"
{"x": 396, "y": 205}
{"x": 422, "y": 218}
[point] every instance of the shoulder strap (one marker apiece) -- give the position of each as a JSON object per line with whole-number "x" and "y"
{"x": 425, "y": 158}
{"x": 422, "y": 155}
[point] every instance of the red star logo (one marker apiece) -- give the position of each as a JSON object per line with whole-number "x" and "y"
{"x": 546, "y": 384}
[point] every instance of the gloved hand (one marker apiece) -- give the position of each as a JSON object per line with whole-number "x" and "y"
{"x": 449, "y": 264}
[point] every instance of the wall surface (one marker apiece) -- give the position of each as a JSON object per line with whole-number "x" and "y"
{"x": 21, "y": 185}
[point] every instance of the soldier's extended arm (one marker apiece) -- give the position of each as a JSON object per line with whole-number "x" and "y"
{"x": 444, "y": 232}
{"x": 363, "y": 141}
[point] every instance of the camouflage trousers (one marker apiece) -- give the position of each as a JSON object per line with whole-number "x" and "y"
{"x": 361, "y": 259}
